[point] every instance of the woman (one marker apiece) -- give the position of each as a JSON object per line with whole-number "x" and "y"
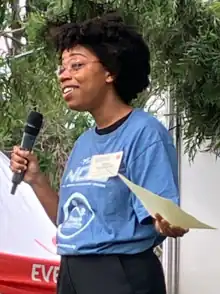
{"x": 105, "y": 236}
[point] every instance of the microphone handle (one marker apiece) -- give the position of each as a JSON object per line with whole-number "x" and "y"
{"x": 27, "y": 142}
{"x": 16, "y": 179}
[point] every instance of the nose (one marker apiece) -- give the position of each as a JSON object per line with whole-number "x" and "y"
{"x": 64, "y": 76}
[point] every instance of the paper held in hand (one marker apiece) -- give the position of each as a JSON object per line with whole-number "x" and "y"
{"x": 107, "y": 165}
{"x": 166, "y": 208}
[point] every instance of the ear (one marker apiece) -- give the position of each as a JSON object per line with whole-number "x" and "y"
{"x": 109, "y": 78}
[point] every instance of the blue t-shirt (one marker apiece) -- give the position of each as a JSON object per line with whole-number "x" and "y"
{"x": 103, "y": 216}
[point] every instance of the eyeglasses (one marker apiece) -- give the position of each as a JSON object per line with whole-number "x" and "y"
{"x": 74, "y": 66}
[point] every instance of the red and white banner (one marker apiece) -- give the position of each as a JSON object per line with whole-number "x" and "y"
{"x": 28, "y": 260}
{"x": 24, "y": 275}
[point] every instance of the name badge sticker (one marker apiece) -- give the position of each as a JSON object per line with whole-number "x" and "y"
{"x": 105, "y": 165}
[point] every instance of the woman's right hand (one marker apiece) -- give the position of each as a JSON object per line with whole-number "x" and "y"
{"x": 22, "y": 160}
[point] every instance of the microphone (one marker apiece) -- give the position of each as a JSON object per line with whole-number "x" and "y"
{"x": 31, "y": 130}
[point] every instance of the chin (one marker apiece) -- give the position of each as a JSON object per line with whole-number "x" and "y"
{"x": 77, "y": 107}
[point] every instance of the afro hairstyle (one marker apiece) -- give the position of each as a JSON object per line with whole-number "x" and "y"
{"x": 120, "y": 49}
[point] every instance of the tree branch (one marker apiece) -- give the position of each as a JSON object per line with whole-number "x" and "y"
{"x": 5, "y": 33}
{"x": 6, "y": 36}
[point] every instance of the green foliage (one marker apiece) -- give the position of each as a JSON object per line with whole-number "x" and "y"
{"x": 184, "y": 38}
{"x": 190, "y": 50}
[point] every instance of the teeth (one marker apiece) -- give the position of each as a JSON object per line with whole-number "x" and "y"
{"x": 67, "y": 89}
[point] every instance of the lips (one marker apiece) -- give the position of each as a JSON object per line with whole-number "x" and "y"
{"x": 68, "y": 91}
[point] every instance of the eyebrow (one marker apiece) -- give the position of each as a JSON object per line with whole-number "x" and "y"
{"x": 74, "y": 54}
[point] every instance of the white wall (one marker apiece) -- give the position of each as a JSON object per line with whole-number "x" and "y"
{"x": 199, "y": 271}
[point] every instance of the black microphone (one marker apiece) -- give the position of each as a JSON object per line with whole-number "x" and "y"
{"x": 31, "y": 130}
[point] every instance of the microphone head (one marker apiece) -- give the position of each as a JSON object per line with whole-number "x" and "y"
{"x": 34, "y": 123}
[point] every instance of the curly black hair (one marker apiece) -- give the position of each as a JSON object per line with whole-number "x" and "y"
{"x": 120, "y": 49}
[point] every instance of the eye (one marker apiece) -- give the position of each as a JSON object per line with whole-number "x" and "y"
{"x": 76, "y": 66}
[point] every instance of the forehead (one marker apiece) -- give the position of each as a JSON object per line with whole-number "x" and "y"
{"x": 77, "y": 51}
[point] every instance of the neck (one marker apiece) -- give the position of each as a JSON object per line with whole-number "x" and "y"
{"x": 109, "y": 112}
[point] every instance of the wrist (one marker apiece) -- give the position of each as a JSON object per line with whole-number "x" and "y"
{"x": 38, "y": 180}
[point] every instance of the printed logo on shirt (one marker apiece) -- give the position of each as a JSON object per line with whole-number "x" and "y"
{"x": 80, "y": 176}
{"x": 78, "y": 214}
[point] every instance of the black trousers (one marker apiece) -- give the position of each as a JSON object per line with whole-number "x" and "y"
{"x": 111, "y": 274}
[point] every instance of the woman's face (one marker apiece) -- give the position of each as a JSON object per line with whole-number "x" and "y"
{"x": 84, "y": 81}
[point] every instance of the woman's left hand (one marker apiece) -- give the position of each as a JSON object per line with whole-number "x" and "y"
{"x": 164, "y": 228}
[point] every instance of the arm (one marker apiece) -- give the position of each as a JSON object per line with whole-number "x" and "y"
{"x": 47, "y": 196}
{"x": 156, "y": 170}
{"x": 22, "y": 160}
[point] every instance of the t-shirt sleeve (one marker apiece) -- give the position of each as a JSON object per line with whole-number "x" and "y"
{"x": 156, "y": 170}
{"x": 59, "y": 215}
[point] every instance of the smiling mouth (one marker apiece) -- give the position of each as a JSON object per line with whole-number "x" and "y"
{"x": 67, "y": 91}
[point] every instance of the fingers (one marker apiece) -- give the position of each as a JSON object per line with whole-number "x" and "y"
{"x": 17, "y": 168}
{"x": 28, "y": 155}
{"x": 162, "y": 225}
{"x": 21, "y": 153}
{"x": 158, "y": 217}
{"x": 164, "y": 228}
{"x": 19, "y": 160}
{"x": 176, "y": 232}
